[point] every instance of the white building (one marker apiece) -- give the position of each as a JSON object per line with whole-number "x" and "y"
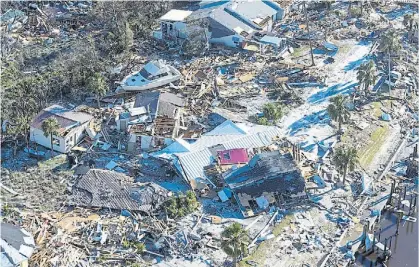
{"x": 72, "y": 128}
{"x": 228, "y": 23}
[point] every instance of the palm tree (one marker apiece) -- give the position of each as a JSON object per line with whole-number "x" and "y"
{"x": 234, "y": 241}
{"x": 338, "y": 111}
{"x": 345, "y": 159}
{"x": 366, "y": 76}
{"x": 97, "y": 85}
{"x": 390, "y": 43}
{"x": 309, "y": 36}
{"x": 50, "y": 127}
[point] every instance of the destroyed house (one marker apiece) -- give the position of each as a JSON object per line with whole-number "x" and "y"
{"x": 154, "y": 113}
{"x": 192, "y": 156}
{"x": 270, "y": 178}
{"x": 228, "y": 23}
{"x": 73, "y": 125}
{"x": 113, "y": 190}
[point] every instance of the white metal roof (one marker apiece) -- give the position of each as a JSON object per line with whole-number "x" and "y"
{"x": 176, "y": 15}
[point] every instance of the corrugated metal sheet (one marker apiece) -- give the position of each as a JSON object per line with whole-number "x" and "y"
{"x": 254, "y": 140}
{"x": 208, "y": 141}
{"x": 193, "y": 163}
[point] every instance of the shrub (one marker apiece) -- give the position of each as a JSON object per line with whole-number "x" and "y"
{"x": 181, "y": 205}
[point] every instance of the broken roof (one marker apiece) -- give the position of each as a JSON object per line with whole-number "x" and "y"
{"x": 16, "y": 245}
{"x": 192, "y": 163}
{"x": 108, "y": 189}
{"x": 66, "y": 118}
{"x": 263, "y": 166}
{"x": 265, "y": 175}
{"x": 149, "y": 100}
{"x": 156, "y": 103}
{"x": 172, "y": 99}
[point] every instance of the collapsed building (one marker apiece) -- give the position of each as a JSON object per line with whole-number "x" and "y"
{"x": 270, "y": 178}
{"x": 113, "y": 190}
{"x": 155, "y": 118}
{"x": 190, "y": 157}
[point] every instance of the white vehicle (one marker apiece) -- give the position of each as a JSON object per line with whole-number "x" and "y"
{"x": 154, "y": 74}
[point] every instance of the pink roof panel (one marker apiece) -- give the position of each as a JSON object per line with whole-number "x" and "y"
{"x": 233, "y": 156}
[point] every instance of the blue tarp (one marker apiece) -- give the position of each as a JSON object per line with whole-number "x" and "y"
{"x": 330, "y": 46}
{"x": 228, "y": 193}
{"x": 386, "y": 117}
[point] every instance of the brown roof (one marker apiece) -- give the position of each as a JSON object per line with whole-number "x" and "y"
{"x": 65, "y": 118}
{"x": 43, "y": 115}
{"x": 108, "y": 189}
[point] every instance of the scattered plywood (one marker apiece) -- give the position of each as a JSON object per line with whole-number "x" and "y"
{"x": 246, "y": 77}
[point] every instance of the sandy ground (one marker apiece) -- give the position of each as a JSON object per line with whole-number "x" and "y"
{"x": 306, "y": 120}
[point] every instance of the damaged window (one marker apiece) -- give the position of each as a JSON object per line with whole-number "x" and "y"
{"x": 145, "y": 74}
{"x": 55, "y": 141}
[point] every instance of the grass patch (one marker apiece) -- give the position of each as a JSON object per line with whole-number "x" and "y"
{"x": 286, "y": 221}
{"x": 259, "y": 254}
{"x": 368, "y": 152}
{"x": 53, "y": 163}
{"x": 300, "y": 51}
{"x": 344, "y": 49}
{"x": 376, "y": 109}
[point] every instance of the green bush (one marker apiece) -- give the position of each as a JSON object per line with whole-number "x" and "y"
{"x": 181, "y": 205}
{"x": 263, "y": 121}
{"x": 272, "y": 111}
{"x": 355, "y": 12}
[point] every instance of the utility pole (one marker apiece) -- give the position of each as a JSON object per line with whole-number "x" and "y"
{"x": 309, "y": 37}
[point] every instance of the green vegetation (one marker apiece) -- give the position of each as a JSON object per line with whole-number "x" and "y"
{"x": 300, "y": 51}
{"x": 390, "y": 43}
{"x": 345, "y": 159}
{"x": 366, "y": 76}
{"x": 97, "y": 85}
{"x": 272, "y": 112}
{"x": 234, "y": 241}
{"x": 338, "y": 111}
{"x": 50, "y": 127}
{"x": 355, "y": 12}
{"x": 53, "y": 162}
{"x": 376, "y": 109}
{"x": 181, "y": 205}
{"x": 36, "y": 75}
{"x": 368, "y": 152}
{"x": 259, "y": 255}
{"x": 263, "y": 121}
